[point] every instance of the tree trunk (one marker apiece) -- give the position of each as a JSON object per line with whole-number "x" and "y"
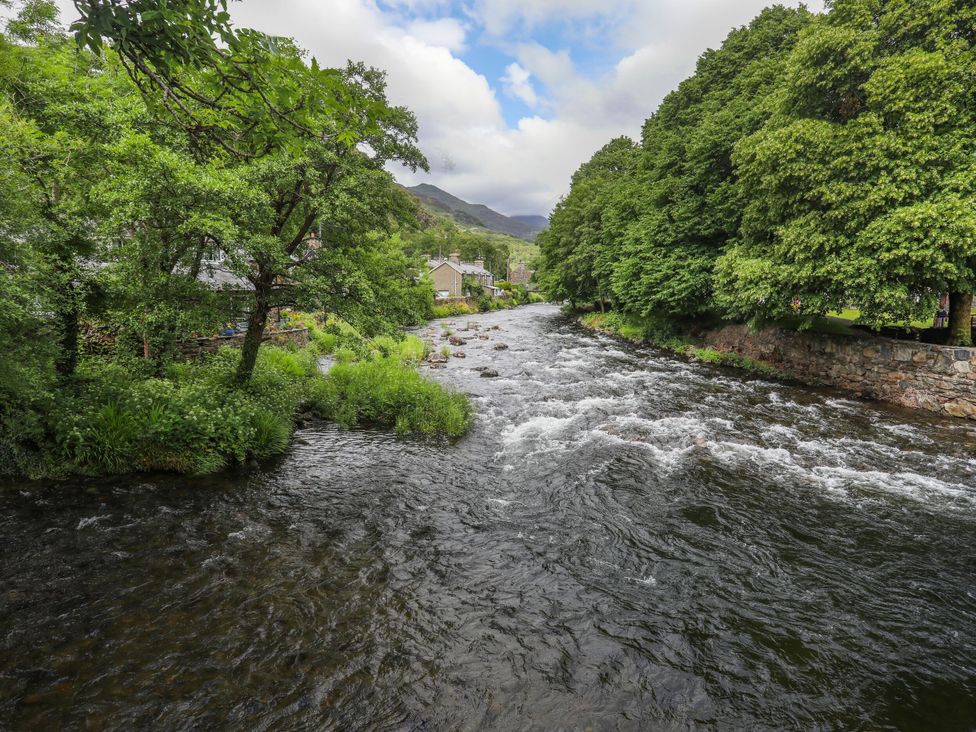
{"x": 67, "y": 359}
{"x": 252, "y": 339}
{"x": 960, "y": 318}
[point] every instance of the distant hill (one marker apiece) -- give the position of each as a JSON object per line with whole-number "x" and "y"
{"x": 476, "y": 214}
{"x": 536, "y": 222}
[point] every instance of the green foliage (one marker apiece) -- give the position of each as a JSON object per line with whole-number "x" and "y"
{"x": 663, "y": 334}
{"x": 387, "y": 393}
{"x": 642, "y": 226}
{"x": 128, "y": 174}
{"x": 451, "y": 309}
{"x": 859, "y": 189}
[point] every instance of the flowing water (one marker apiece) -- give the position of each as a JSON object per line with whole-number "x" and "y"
{"x": 624, "y": 541}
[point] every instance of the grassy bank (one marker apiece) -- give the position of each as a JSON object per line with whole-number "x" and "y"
{"x": 485, "y": 305}
{"x": 193, "y": 417}
{"x": 662, "y": 335}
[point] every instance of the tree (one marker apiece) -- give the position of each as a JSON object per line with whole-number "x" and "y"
{"x": 63, "y": 109}
{"x": 685, "y": 200}
{"x": 576, "y": 249}
{"x": 161, "y": 213}
{"x": 860, "y": 189}
{"x": 643, "y": 227}
{"x": 318, "y": 183}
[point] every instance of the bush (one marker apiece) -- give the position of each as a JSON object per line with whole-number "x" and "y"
{"x": 387, "y": 393}
{"x": 452, "y": 309}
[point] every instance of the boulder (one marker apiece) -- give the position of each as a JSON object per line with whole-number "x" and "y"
{"x": 459, "y": 354}
{"x": 483, "y": 337}
{"x": 489, "y": 374}
{"x": 436, "y": 358}
{"x": 501, "y": 347}
{"x": 456, "y": 341}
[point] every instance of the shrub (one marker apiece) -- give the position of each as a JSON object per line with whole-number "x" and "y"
{"x": 452, "y": 309}
{"x": 345, "y": 355}
{"x": 387, "y": 393}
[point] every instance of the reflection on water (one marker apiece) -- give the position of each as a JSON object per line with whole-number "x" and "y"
{"x": 625, "y": 541}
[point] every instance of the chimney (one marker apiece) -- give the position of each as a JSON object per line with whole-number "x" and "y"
{"x": 456, "y": 257}
{"x": 480, "y": 263}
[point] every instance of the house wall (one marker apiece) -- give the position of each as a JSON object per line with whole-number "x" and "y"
{"x": 446, "y": 278}
{"x": 939, "y": 379}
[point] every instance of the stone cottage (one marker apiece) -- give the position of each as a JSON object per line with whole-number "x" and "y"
{"x": 448, "y": 276}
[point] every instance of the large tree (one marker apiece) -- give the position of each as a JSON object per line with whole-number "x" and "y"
{"x": 576, "y": 247}
{"x": 688, "y": 197}
{"x": 861, "y": 190}
{"x": 323, "y": 184}
{"x": 643, "y": 227}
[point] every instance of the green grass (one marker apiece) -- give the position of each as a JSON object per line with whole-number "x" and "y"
{"x": 387, "y": 393}
{"x": 451, "y": 309}
{"x": 851, "y": 315}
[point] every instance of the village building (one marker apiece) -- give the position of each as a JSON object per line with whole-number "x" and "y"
{"x": 449, "y": 274}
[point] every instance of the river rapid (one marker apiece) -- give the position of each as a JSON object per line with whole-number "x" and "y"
{"x": 624, "y": 541}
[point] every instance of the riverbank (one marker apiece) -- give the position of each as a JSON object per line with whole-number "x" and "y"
{"x": 518, "y": 297}
{"x": 636, "y": 331}
{"x": 927, "y": 377}
{"x": 194, "y": 418}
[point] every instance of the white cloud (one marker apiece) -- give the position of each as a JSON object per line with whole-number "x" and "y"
{"x": 517, "y": 82}
{"x": 501, "y": 16}
{"x": 446, "y": 32}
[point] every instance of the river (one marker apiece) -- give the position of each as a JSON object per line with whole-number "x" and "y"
{"x": 625, "y": 541}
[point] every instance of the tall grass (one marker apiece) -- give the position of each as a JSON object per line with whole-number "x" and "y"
{"x": 388, "y": 393}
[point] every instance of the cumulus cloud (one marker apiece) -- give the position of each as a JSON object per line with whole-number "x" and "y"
{"x": 448, "y": 33}
{"x": 518, "y": 83}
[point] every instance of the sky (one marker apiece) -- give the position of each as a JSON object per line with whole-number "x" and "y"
{"x": 511, "y": 95}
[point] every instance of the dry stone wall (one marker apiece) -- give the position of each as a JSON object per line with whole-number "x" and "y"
{"x": 197, "y": 347}
{"x": 938, "y": 379}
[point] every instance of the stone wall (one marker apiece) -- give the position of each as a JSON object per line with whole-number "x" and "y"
{"x": 197, "y": 347}
{"x": 469, "y": 301}
{"x": 938, "y": 379}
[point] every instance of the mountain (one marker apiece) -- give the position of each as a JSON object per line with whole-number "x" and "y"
{"x": 476, "y": 214}
{"x": 536, "y": 222}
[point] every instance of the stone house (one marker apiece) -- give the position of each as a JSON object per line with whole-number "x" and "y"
{"x": 448, "y": 276}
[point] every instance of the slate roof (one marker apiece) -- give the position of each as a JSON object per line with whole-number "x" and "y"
{"x": 465, "y": 268}
{"x": 216, "y": 276}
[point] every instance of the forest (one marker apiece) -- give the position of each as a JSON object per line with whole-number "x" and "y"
{"x": 167, "y": 176}
{"x": 812, "y": 164}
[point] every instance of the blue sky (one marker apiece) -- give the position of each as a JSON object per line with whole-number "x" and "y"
{"x": 511, "y": 95}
